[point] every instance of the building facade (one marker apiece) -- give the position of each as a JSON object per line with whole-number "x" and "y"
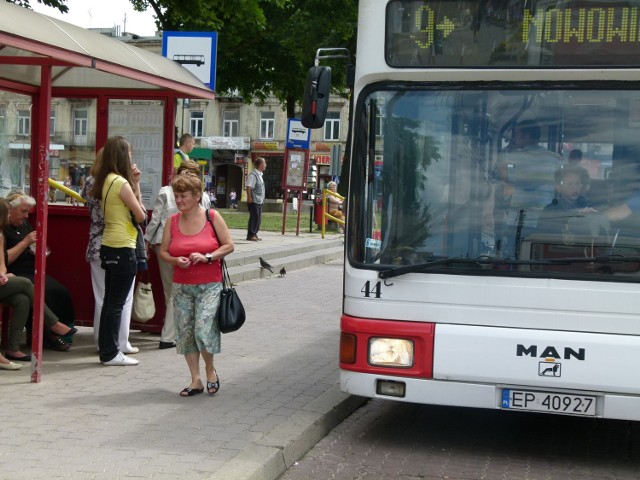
{"x": 229, "y": 135}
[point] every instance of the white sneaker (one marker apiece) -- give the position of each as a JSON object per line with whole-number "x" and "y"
{"x": 131, "y": 350}
{"x": 121, "y": 360}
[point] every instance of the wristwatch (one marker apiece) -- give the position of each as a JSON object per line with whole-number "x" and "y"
{"x": 208, "y": 257}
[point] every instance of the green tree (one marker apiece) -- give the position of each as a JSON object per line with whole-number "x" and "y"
{"x": 59, "y": 4}
{"x": 264, "y": 46}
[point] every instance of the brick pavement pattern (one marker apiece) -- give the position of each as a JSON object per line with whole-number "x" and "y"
{"x": 279, "y": 380}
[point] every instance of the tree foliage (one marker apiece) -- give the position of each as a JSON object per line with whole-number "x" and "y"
{"x": 264, "y": 46}
{"x": 59, "y": 4}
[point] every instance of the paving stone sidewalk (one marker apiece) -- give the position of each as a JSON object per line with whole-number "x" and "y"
{"x": 279, "y": 395}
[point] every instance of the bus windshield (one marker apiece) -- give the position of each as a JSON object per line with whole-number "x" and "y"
{"x": 537, "y": 182}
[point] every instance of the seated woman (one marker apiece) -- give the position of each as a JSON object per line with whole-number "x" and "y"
{"x": 19, "y": 237}
{"x": 335, "y": 204}
{"x": 18, "y": 293}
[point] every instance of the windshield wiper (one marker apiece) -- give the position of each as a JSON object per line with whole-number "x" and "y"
{"x": 480, "y": 261}
{"x": 489, "y": 261}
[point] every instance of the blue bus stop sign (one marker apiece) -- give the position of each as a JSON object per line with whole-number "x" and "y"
{"x": 298, "y": 136}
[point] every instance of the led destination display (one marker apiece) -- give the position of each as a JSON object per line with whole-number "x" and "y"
{"x": 516, "y": 33}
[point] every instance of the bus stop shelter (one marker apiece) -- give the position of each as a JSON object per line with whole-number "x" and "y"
{"x": 42, "y": 57}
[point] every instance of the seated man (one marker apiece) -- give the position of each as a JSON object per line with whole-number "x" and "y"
{"x": 575, "y": 157}
{"x": 567, "y": 204}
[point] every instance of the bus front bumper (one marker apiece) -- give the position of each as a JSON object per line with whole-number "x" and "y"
{"x": 473, "y": 395}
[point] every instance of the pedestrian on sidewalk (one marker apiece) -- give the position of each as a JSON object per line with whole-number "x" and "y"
{"x": 163, "y": 208}
{"x": 96, "y": 228}
{"x": 195, "y": 243}
{"x": 117, "y": 184}
{"x": 181, "y": 154}
{"x": 234, "y": 199}
{"x": 255, "y": 198}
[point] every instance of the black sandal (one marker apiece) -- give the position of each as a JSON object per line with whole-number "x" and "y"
{"x": 58, "y": 344}
{"x": 190, "y": 392}
{"x": 213, "y": 387}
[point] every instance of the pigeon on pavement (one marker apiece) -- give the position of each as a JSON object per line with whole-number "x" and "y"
{"x": 283, "y": 272}
{"x": 264, "y": 264}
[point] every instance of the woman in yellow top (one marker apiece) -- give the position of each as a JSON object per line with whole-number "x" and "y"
{"x": 117, "y": 183}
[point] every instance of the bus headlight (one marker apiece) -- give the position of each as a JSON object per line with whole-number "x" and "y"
{"x": 391, "y": 352}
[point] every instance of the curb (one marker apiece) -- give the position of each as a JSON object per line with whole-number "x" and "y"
{"x": 271, "y": 456}
{"x": 242, "y": 273}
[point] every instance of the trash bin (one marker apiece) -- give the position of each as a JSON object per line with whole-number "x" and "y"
{"x": 317, "y": 210}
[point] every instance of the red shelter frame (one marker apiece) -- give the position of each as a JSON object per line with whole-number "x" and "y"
{"x": 41, "y": 47}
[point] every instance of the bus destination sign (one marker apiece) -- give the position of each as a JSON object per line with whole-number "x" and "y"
{"x": 512, "y": 34}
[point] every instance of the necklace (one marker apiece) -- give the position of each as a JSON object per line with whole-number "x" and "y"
{"x": 16, "y": 229}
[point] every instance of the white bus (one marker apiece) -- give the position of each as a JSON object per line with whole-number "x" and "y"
{"x": 493, "y": 223}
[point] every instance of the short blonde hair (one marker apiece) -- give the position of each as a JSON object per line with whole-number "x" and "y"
{"x": 188, "y": 166}
{"x": 187, "y": 182}
{"x": 18, "y": 197}
{"x": 332, "y": 184}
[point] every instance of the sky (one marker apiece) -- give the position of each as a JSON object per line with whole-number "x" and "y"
{"x": 102, "y": 14}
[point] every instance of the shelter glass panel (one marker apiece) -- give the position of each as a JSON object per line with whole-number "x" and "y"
{"x": 141, "y": 122}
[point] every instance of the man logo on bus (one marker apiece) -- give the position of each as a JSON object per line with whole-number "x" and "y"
{"x": 550, "y": 352}
{"x": 546, "y": 369}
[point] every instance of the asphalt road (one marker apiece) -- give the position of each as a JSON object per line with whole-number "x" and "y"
{"x": 389, "y": 440}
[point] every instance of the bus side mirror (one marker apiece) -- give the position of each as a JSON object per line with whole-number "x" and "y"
{"x": 316, "y": 97}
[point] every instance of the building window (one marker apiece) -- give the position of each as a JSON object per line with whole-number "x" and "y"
{"x": 3, "y": 121}
{"x": 332, "y": 126}
{"x": 230, "y": 123}
{"x": 267, "y": 125}
{"x": 80, "y": 126}
{"x": 196, "y": 123}
{"x": 24, "y": 122}
{"x": 52, "y": 123}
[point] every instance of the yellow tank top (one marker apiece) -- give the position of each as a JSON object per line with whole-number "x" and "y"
{"x": 119, "y": 231}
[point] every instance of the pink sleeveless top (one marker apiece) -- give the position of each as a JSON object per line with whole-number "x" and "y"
{"x": 203, "y": 242}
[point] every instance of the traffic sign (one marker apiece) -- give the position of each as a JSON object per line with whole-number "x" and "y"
{"x": 298, "y": 136}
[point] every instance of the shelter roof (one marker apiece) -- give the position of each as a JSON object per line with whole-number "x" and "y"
{"x": 83, "y": 59}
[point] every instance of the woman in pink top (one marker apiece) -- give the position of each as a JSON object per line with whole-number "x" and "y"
{"x": 195, "y": 246}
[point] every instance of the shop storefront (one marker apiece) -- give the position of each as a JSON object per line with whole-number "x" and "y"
{"x": 228, "y": 166}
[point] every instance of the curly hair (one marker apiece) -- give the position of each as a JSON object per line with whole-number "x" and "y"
{"x": 187, "y": 181}
{"x": 17, "y": 197}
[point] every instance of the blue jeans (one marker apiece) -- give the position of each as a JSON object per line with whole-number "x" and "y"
{"x": 120, "y": 272}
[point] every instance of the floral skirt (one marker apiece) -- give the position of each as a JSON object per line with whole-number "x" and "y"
{"x": 194, "y": 313}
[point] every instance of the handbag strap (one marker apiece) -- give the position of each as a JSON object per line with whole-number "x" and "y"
{"x": 104, "y": 202}
{"x": 144, "y": 276}
{"x": 208, "y": 215}
{"x": 226, "y": 278}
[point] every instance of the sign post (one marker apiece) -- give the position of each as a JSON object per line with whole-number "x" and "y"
{"x": 295, "y": 166}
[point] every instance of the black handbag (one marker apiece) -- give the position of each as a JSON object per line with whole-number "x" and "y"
{"x": 231, "y": 314}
